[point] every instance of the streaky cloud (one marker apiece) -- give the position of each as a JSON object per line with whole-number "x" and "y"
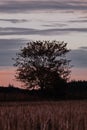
{"x": 83, "y": 47}
{"x": 78, "y": 21}
{"x": 14, "y": 20}
{"x": 37, "y": 5}
{"x": 55, "y": 25}
{"x": 31, "y": 31}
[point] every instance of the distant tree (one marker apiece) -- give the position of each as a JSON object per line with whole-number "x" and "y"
{"x": 43, "y": 64}
{"x": 10, "y": 86}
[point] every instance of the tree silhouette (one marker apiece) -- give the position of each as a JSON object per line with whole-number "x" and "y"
{"x": 43, "y": 64}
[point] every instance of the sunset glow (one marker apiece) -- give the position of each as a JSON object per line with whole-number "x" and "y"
{"x": 79, "y": 74}
{"x": 7, "y": 76}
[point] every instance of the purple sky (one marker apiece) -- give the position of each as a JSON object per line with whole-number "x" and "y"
{"x": 62, "y": 20}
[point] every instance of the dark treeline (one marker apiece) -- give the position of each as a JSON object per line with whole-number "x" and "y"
{"x": 77, "y": 89}
{"x": 72, "y": 90}
{"x": 12, "y": 93}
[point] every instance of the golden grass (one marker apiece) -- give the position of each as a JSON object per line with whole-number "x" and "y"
{"x": 63, "y": 115}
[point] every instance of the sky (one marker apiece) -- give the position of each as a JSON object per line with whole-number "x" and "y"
{"x": 24, "y": 20}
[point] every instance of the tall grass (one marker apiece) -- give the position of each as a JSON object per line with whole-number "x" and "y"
{"x": 68, "y": 115}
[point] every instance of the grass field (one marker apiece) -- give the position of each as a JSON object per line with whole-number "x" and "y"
{"x": 62, "y": 115}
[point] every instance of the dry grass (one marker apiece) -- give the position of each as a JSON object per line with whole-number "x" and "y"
{"x": 68, "y": 115}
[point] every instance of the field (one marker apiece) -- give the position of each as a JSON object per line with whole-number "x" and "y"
{"x": 62, "y": 115}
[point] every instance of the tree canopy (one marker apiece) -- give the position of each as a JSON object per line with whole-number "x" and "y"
{"x": 43, "y": 64}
